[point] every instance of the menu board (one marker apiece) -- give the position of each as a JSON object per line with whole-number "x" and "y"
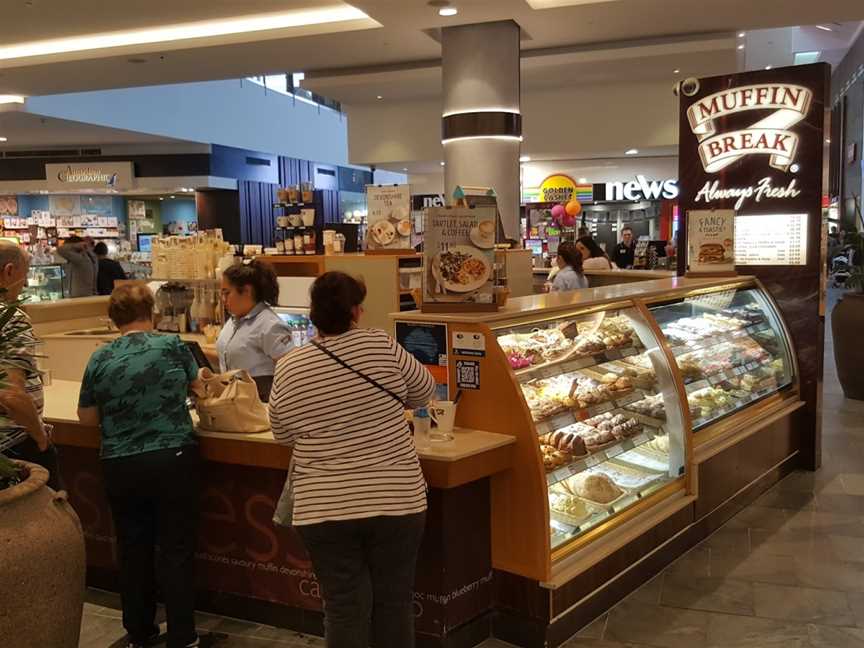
{"x": 459, "y": 257}
{"x": 711, "y": 241}
{"x": 388, "y": 217}
{"x": 771, "y": 239}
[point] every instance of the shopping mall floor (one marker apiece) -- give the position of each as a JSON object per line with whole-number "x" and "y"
{"x": 787, "y": 571}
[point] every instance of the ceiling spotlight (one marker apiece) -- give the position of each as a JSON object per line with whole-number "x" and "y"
{"x": 741, "y": 46}
{"x": 379, "y": 97}
{"x": 3, "y": 139}
{"x": 767, "y": 67}
{"x": 631, "y": 152}
{"x": 824, "y": 28}
{"x": 741, "y": 34}
{"x": 525, "y": 158}
{"x": 172, "y": 197}
{"x": 675, "y": 71}
{"x": 443, "y": 163}
{"x": 583, "y": 180}
{"x": 404, "y": 168}
{"x": 448, "y": 11}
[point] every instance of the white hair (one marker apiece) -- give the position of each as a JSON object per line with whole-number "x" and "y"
{"x": 12, "y": 253}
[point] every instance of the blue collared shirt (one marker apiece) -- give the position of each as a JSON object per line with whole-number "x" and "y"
{"x": 253, "y": 342}
{"x": 568, "y": 279}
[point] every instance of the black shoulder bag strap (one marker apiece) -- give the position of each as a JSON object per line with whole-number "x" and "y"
{"x": 371, "y": 381}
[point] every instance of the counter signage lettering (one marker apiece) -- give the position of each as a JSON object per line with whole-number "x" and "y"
{"x": 107, "y": 175}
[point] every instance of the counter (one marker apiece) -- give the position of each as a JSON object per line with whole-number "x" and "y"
{"x": 598, "y": 278}
{"x": 645, "y": 415}
{"x": 250, "y": 569}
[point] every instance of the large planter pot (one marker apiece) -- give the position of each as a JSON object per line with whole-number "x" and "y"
{"x": 41, "y": 566}
{"x": 847, "y": 326}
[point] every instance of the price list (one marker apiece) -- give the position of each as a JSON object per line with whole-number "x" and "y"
{"x": 771, "y": 239}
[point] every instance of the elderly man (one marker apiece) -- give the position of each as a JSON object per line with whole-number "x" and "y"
{"x": 31, "y": 441}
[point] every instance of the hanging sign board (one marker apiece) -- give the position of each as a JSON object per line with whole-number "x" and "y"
{"x": 388, "y": 218}
{"x": 459, "y": 259}
{"x": 711, "y": 242}
{"x": 89, "y": 175}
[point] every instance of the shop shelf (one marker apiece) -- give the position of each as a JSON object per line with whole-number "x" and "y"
{"x": 576, "y": 467}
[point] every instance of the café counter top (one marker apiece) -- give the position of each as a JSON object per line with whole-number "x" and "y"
{"x": 472, "y": 455}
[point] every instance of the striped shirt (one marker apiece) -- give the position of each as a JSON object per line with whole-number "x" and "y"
{"x": 354, "y": 455}
{"x": 22, "y": 358}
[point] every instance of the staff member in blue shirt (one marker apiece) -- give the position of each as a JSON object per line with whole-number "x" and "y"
{"x": 255, "y": 337}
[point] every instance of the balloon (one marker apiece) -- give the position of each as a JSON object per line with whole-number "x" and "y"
{"x": 558, "y": 212}
{"x": 573, "y": 208}
{"x": 568, "y": 220}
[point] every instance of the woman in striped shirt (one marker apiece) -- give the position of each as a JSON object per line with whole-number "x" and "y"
{"x": 360, "y": 496}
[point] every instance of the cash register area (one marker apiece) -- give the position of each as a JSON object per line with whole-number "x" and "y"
{"x": 787, "y": 570}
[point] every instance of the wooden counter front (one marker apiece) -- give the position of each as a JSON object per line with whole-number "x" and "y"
{"x": 473, "y": 454}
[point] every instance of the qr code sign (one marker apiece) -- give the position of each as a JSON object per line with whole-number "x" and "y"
{"x": 468, "y": 374}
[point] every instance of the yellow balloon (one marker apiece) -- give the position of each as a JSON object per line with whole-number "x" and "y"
{"x": 573, "y": 208}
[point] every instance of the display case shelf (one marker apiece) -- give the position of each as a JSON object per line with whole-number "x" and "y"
{"x": 571, "y": 416}
{"x": 583, "y": 463}
{"x": 568, "y": 365}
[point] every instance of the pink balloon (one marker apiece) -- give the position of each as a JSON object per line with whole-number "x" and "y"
{"x": 558, "y": 212}
{"x": 568, "y": 220}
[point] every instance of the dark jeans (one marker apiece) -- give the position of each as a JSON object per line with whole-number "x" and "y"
{"x": 366, "y": 568}
{"x": 154, "y": 501}
{"x": 28, "y": 451}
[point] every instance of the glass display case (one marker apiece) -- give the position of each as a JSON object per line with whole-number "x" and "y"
{"x": 44, "y": 283}
{"x": 730, "y": 348}
{"x": 605, "y": 410}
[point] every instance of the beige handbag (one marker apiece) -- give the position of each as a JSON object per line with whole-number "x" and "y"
{"x": 229, "y": 403}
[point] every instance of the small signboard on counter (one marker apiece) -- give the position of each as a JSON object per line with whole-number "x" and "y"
{"x": 711, "y": 242}
{"x": 469, "y": 343}
{"x": 388, "y": 218}
{"x": 459, "y": 259}
{"x": 771, "y": 239}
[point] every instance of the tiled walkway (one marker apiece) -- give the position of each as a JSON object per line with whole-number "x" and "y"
{"x": 787, "y": 571}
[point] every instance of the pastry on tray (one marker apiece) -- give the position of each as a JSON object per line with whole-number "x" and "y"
{"x": 595, "y": 487}
{"x": 649, "y": 406}
{"x": 568, "y": 505}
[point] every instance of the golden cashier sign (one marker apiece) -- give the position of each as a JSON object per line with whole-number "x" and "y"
{"x": 557, "y": 188}
{"x": 769, "y": 135}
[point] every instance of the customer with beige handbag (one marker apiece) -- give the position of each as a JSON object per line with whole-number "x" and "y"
{"x": 228, "y": 402}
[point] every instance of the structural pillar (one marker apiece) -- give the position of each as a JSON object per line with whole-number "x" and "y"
{"x": 481, "y": 121}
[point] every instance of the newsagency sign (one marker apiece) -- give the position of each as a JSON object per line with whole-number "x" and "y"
{"x": 89, "y": 175}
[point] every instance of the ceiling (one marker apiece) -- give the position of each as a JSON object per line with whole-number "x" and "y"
{"x": 396, "y": 33}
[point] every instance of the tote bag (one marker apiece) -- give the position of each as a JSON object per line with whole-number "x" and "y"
{"x": 230, "y": 403}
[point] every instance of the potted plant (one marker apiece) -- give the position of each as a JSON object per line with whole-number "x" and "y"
{"x": 847, "y": 322}
{"x": 42, "y": 563}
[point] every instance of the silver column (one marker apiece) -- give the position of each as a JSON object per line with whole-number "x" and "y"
{"x": 482, "y": 124}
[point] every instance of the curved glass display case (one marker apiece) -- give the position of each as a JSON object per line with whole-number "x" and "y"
{"x": 605, "y": 410}
{"x": 730, "y": 348}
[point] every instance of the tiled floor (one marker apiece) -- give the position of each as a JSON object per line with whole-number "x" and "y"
{"x": 787, "y": 571}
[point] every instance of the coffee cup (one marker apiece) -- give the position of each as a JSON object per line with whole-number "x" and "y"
{"x": 443, "y": 413}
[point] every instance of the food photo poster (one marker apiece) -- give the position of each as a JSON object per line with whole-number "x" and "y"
{"x": 459, "y": 255}
{"x": 711, "y": 241}
{"x": 388, "y": 217}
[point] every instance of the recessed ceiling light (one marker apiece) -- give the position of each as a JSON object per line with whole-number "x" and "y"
{"x": 583, "y": 180}
{"x": 767, "y": 67}
{"x": 3, "y": 139}
{"x": 183, "y": 31}
{"x": 824, "y": 28}
{"x": 676, "y": 71}
{"x": 525, "y": 158}
{"x": 404, "y": 168}
{"x": 741, "y": 46}
{"x": 631, "y": 152}
{"x": 11, "y": 99}
{"x": 443, "y": 163}
{"x": 448, "y": 11}
{"x": 379, "y": 97}
{"x": 172, "y": 197}
{"x": 741, "y": 34}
